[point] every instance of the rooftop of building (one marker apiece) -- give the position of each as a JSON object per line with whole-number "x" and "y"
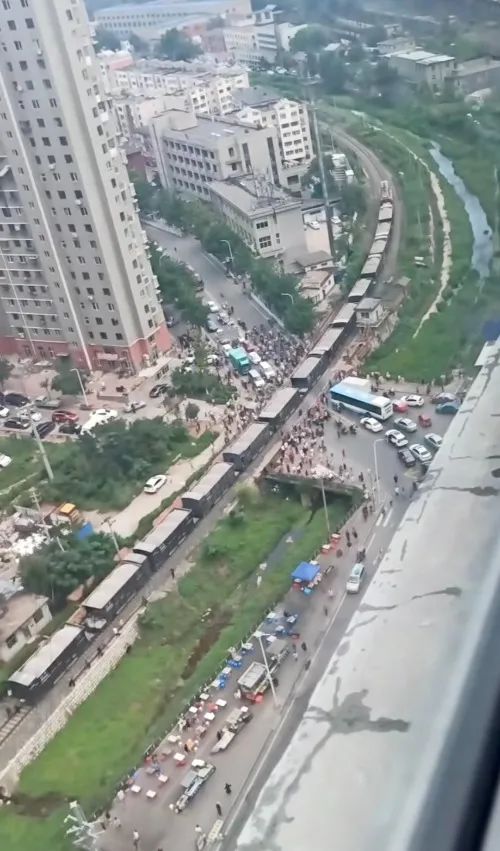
{"x": 423, "y": 57}
{"x": 152, "y": 6}
{"x": 256, "y": 96}
{"x": 368, "y": 303}
{"x": 475, "y": 66}
{"x": 202, "y": 69}
{"x": 371, "y": 737}
{"x": 208, "y": 130}
{"x": 253, "y": 195}
{"x": 19, "y": 609}
{"x": 315, "y": 278}
{"x": 313, "y": 258}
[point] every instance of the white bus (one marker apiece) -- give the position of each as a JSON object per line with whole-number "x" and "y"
{"x": 347, "y": 395}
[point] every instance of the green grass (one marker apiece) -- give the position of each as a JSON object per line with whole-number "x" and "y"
{"x": 176, "y": 654}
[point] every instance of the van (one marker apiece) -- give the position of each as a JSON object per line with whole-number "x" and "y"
{"x": 267, "y": 370}
{"x": 356, "y": 577}
{"x": 257, "y": 380}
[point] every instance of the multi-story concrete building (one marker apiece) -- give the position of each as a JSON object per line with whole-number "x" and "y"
{"x": 209, "y": 89}
{"x": 291, "y": 122}
{"x": 423, "y": 68}
{"x": 134, "y": 114}
{"x": 149, "y": 20}
{"x": 193, "y": 151}
{"x": 265, "y": 216}
{"x": 477, "y": 74}
{"x": 253, "y": 39}
{"x": 75, "y": 277}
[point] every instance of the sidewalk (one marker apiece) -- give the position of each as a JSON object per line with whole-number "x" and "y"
{"x": 153, "y": 815}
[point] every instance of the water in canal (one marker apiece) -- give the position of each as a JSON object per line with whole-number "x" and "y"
{"x": 482, "y": 249}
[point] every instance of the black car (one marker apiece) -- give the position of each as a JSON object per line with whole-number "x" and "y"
{"x": 158, "y": 390}
{"x": 15, "y": 400}
{"x": 17, "y": 423}
{"x": 45, "y": 428}
{"x": 69, "y": 428}
{"x": 406, "y": 457}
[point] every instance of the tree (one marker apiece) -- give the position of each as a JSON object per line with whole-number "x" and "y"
{"x": 333, "y": 73}
{"x": 106, "y": 40}
{"x": 146, "y": 193}
{"x": 56, "y": 573}
{"x": 352, "y": 199}
{"x": 138, "y": 44}
{"x": 201, "y": 384}
{"x": 310, "y": 39}
{"x": 5, "y": 371}
{"x": 191, "y": 411}
{"x": 66, "y": 381}
{"x": 177, "y": 46}
{"x": 300, "y": 316}
{"x": 374, "y": 35}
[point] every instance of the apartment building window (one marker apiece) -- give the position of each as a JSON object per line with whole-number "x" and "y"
{"x": 262, "y": 225}
{"x": 265, "y": 242}
{"x": 11, "y": 25}
{"x": 18, "y": 45}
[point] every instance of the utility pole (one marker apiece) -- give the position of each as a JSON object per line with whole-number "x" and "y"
{"x": 82, "y": 832}
{"x": 322, "y": 173}
{"x": 43, "y": 453}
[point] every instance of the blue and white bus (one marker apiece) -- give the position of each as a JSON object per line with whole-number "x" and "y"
{"x": 347, "y": 395}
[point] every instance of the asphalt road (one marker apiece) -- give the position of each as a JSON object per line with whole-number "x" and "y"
{"x": 218, "y": 286}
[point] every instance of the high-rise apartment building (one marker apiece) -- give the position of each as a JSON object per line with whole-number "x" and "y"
{"x": 75, "y": 277}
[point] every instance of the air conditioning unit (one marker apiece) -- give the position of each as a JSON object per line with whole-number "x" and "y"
{"x": 78, "y": 202}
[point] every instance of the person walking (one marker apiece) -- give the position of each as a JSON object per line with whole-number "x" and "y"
{"x": 135, "y": 839}
{"x": 304, "y": 646}
{"x": 325, "y": 611}
{"x": 295, "y": 655}
{"x": 198, "y": 829}
{"x": 172, "y": 572}
{"x": 218, "y": 809}
{"x": 228, "y": 788}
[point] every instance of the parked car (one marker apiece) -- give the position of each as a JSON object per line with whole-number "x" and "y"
{"x": 424, "y": 421}
{"x": 36, "y": 416}
{"x": 70, "y": 428}
{"x": 211, "y": 324}
{"x": 399, "y": 406}
{"x": 406, "y": 457}
{"x": 256, "y": 378}
{"x": 267, "y": 370}
{"x": 443, "y": 397}
{"x": 47, "y": 402}
{"x": 4, "y": 412}
{"x": 17, "y": 423}
{"x": 405, "y": 424}
{"x": 154, "y": 484}
{"x": 433, "y": 440}
{"x": 5, "y": 460}
{"x": 45, "y": 428}
{"x": 63, "y": 416}
{"x": 448, "y": 407}
{"x": 255, "y": 358}
{"x": 420, "y": 453}
{"x": 132, "y": 407}
{"x": 396, "y": 438}
{"x": 414, "y": 401}
{"x": 371, "y": 424}
{"x": 15, "y": 400}
{"x": 158, "y": 390}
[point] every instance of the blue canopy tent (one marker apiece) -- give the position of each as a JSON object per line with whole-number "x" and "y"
{"x": 305, "y": 572}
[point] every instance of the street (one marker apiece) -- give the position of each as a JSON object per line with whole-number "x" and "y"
{"x": 218, "y": 286}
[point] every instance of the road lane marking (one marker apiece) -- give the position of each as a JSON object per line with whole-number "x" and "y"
{"x": 370, "y": 541}
{"x": 387, "y": 517}
{"x": 379, "y": 520}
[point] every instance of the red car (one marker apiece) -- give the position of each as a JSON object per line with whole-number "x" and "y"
{"x": 400, "y": 406}
{"x": 64, "y": 417}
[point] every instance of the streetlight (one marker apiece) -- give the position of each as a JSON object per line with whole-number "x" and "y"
{"x": 85, "y": 398}
{"x": 290, "y": 296}
{"x": 231, "y": 255}
{"x": 258, "y": 636}
{"x": 375, "y": 460}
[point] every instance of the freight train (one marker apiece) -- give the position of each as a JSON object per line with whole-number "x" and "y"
{"x": 50, "y": 662}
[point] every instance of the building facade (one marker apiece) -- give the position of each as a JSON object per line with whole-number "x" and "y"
{"x": 193, "y": 151}
{"x": 477, "y": 74}
{"x": 265, "y": 217}
{"x": 22, "y": 617}
{"x": 75, "y": 277}
{"x": 289, "y": 118}
{"x": 423, "y": 68}
{"x": 149, "y": 20}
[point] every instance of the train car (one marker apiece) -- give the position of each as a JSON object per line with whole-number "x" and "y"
{"x": 209, "y": 489}
{"x": 48, "y": 664}
{"x": 165, "y": 538}
{"x": 386, "y": 212}
{"x": 371, "y": 267}
{"x": 246, "y": 446}
{"x": 114, "y": 592}
{"x": 360, "y": 290}
{"x": 383, "y": 230}
{"x": 345, "y": 317}
{"x": 305, "y": 375}
{"x": 328, "y": 344}
{"x": 279, "y": 406}
{"x": 378, "y": 246}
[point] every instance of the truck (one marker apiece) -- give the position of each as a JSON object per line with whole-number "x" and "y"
{"x": 200, "y": 772}
{"x": 254, "y": 682}
{"x": 240, "y": 360}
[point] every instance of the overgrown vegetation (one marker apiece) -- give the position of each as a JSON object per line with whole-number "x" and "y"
{"x": 178, "y": 287}
{"x": 201, "y": 384}
{"x": 177, "y": 653}
{"x": 107, "y": 470}
{"x": 58, "y": 568}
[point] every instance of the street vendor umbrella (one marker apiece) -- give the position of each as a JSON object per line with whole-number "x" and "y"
{"x": 305, "y": 572}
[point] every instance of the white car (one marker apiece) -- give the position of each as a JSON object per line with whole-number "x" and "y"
{"x": 254, "y": 357}
{"x": 396, "y": 438}
{"x": 226, "y": 348}
{"x": 4, "y": 412}
{"x": 5, "y": 460}
{"x": 371, "y": 424}
{"x": 224, "y": 317}
{"x": 36, "y": 416}
{"x": 267, "y": 370}
{"x": 104, "y": 415}
{"x": 257, "y": 379}
{"x": 414, "y": 401}
{"x": 212, "y": 307}
{"x": 154, "y": 484}
{"x": 132, "y": 407}
{"x": 420, "y": 453}
{"x": 405, "y": 423}
{"x": 433, "y": 440}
